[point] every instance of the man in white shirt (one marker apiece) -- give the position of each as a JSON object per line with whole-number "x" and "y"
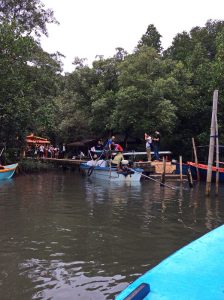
{"x": 148, "y": 146}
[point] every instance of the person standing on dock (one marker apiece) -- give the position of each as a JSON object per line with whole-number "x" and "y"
{"x": 41, "y": 150}
{"x": 156, "y": 144}
{"x": 63, "y": 150}
{"x": 148, "y": 146}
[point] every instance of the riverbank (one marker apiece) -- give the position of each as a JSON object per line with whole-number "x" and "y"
{"x": 28, "y": 165}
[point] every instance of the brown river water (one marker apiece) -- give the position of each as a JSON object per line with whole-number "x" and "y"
{"x": 63, "y": 236}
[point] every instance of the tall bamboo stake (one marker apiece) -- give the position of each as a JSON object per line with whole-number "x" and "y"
{"x": 195, "y": 158}
{"x": 181, "y": 168}
{"x": 212, "y": 143}
{"x": 164, "y": 171}
{"x": 217, "y": 157}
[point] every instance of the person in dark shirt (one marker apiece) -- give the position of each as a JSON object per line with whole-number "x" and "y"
{"x": 156, "y": 144}
{"x": 99, "y": 145}
{"x": 97, "y": 150}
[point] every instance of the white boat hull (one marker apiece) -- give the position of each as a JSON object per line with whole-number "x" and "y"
{"x": 110, "y": 174}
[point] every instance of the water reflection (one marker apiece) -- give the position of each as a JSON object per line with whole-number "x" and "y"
{"x": 67, "y": 237}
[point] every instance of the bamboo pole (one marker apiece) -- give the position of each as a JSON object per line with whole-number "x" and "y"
{"x": 217, "y": 156}
{"x": 195, "y": 158}
{"x": 189, "y": 177}
{"x": 181, "y": 168}
{"x": 110, "y": 168}
{"x": 211, "y": 144}
{"x": 164, "y": 171}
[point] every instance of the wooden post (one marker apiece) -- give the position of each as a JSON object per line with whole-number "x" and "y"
{"x": 195, "y": 158}
{"x": 164, "y": 171}
{"x": 217, "y": 156}
{"x": 181, "y": 168}
{"x": 212, "y": 143}
{"x": 189, "y": 177}
{"x": 110, "y": 168}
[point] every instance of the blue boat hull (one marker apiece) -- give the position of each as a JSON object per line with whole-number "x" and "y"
{"x": 194, "y": 272}
{"x": 184, "y": 168}
{"x": 203, "y": 174}
{"x": 8, "y": 171}
{"x": 202, "y": 171}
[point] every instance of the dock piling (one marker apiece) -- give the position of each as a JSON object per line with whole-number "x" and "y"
{"x": 195, "y": 158}
{"x": 181, "y": 168}
{"x": 163, "y": 175}
{"x": 212, "y": 143}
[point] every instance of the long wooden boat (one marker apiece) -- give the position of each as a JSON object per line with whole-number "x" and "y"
{"x": 202, "y": 168}
{"x": 111, "y": 173}
{"x": 6, "y": 172}
{"x": 203, "y": 171}
{"x": 194, "y": 272}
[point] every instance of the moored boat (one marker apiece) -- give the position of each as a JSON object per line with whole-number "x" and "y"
{"x": 6, "y": 172}
{"x": 202, "y": 168}
{"x": 102, "y": 171}
{"x": 193, "y": 272}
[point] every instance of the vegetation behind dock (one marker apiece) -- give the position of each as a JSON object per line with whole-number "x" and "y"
{"x": 169, "y": 90}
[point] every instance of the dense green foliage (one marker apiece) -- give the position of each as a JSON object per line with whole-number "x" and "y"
{"x": 29, "y": 76}
{"x": 147, "y": 90}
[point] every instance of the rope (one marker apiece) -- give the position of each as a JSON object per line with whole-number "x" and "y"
{"x": 1, "y": 151}
{"x": 91, "y": 168}
{"x": 90, "y": 155}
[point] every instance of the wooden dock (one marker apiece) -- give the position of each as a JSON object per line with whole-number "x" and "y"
{"x": 64, "y": 161}
{"x": 154, "y": 169}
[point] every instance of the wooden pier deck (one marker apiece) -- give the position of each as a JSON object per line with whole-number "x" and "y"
{"x": 64, "y": 161}
{"x": 154, "y": 168}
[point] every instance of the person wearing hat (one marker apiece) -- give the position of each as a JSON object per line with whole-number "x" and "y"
{"x": 156, "y": 144}
{"x": 116, "y": 161}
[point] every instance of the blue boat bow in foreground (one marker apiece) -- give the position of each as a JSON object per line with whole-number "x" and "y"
{"x": 6, "y": 172}
{"x": 194, "y": 272}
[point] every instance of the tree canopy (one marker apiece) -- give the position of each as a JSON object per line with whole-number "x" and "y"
{"x": 130, "y": 93}
{"x": 29, "y": 76}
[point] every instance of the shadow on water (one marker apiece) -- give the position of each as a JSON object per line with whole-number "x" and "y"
{"x": 68, "y": 237}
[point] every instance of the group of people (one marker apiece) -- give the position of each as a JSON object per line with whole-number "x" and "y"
{"x": 110, "y": 145}
{"x": 152, "y": 143}
{"x": 100, "y": 150}
{"x": 109, "y": 150}
{"x": 45, "y": 151}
